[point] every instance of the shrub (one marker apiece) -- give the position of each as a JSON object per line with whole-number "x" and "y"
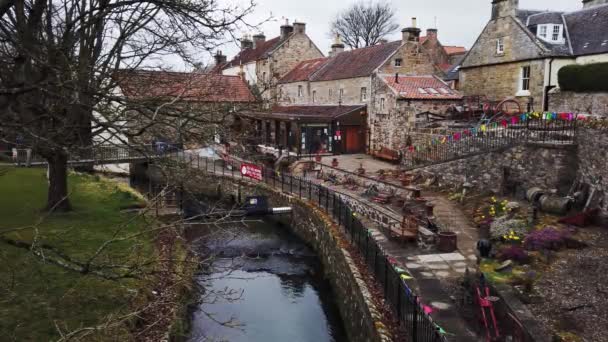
{"x": 549, "y": 238}
{"x": 515, "y": 253}
{"x": 584, "y": 78}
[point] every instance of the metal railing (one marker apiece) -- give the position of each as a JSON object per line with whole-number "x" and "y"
{"x": 405, "y": 304}
{"x": 490, "y": 138}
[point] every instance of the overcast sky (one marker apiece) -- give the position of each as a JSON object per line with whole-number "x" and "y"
{"x": 458, "y": 22}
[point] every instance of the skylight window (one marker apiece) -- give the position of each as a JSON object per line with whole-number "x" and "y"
{"x": 444, "y": 91}
{"x": 422, "y": 91}
{"x": 432, "y": 91}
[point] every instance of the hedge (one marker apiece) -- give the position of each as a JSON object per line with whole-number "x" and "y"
{"x": 584, "y": 78}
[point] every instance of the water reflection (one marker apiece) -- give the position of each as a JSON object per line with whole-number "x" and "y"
{"x": 267, "y": 286}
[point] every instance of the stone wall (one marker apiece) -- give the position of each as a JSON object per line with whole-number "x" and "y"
{"x": 327, "y": 92}
{"x": 522, "y": 167}
{"x": 360, "y": 315}
{"x": 593, "y": 162}
{"x": 572, "y": 102}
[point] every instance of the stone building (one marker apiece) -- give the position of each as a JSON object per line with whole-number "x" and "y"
{"x": 178, "y": 107}
{"x": 263, "y": 62}
{"x": 409, "y": 101}
{"x": 519, "y": 52}
{"x": 347, "y": 78}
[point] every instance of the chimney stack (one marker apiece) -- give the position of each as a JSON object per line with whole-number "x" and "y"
{"x": 412, "y": 33}
{"x": 258, "y": 39}
{"x": 593, "y": 3}
{"x": 504, "y": 8}
{"x": 337, "y": 47}
{"x": 286, "y": 30}
{"x": 246, "y": 43}
{"x": 220, "y": 58}
{"x": 299, "y": 27}
{"x": 431, "y": 34}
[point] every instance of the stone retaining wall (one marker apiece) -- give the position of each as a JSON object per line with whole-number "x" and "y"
{"x": 360, "y": 315}
{"x": 572, "y": 102}
{"x": 593, "y": 162}
{"x": 543, "y": 165}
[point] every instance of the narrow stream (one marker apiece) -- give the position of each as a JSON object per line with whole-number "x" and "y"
{"x": 264, "y": 285}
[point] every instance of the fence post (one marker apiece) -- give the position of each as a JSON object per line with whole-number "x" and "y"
{"x": 310, "y": 191}
{"x": 415, "y": 319}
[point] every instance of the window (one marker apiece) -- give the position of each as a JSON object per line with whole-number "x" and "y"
{"x": 382, "y": 104}
{"x": 524, "y": 84}
{"x": 300, "y": 91}
{"x": 363, "y": 94}
{"x": 556, "y": 33}
{"x": 398, "y": 62}
{"x": 264, "y": 77}
{"x": 280, "y": 93}
{"x": 314, "y": 96}
{"x": 500, "y": 46}
{"x": 542, "y": 31}
{"x": 341, "y": 94}
{"x": 330, "y": 93}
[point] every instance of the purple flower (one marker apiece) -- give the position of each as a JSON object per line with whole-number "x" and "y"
{"x": 548, "y": 238}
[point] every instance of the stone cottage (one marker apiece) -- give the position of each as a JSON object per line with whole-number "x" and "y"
{"x": 409, "y": 101}
{"x": 519, "y": 52}
{"x": 263, "y": 62}
{"x": 346, "y": 78}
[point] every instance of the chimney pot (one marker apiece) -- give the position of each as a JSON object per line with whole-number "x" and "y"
{"x": 246, "y": 43}
{"x": 219, "y": 58}
{"x": 337, "y": 47}
{"x": 299, "y": 27}
{"x": 286, "y": 29}
{"x": 257, "y": 39}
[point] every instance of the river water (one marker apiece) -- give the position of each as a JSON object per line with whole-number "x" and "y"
{"x": 263, "y": 285}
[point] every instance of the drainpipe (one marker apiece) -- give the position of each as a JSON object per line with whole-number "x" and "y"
{"x": 548, "y": 88}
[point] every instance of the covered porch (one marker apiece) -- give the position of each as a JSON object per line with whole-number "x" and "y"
{"x": 311, "y": 130}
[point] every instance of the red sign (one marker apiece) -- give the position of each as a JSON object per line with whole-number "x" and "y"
{"x": 251, "y": 171}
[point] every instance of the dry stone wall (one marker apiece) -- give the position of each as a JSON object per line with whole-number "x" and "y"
{"x": 593, "y": 162}
{"x": 572, "y": 102}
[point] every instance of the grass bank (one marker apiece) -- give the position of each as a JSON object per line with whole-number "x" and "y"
{"x": 40, "y": 301}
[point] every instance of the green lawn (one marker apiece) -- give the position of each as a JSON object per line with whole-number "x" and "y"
{"x": 37, "y": 298}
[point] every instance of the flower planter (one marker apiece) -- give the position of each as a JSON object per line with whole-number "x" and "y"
{"x": 447, "y": 242}
{"x": 334, "y": 162}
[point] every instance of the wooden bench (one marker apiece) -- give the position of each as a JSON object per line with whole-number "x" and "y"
{"x": 387, "y": 154}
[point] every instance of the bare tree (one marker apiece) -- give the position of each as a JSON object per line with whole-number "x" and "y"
{"x": 364, "y": 24}
{"x": 58, "y": 59}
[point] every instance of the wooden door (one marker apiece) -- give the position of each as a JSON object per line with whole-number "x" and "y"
{"x": 353, "y": 143}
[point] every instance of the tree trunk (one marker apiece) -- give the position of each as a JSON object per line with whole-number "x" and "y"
{"x": 57, "y": 200}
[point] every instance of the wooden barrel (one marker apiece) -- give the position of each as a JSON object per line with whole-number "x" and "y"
{"x": 534, "y": 194}
{"x": 555, "y": 204}
{"x": 447, "y": 242}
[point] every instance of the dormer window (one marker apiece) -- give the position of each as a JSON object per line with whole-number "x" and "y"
{"x": 398, "y": 62}
{"x": 551, "y": 33}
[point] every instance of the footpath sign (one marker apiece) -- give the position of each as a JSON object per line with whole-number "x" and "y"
{"x": 251, "y": 171}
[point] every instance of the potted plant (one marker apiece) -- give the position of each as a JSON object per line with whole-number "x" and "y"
{"x": 334, "y": 162}
{"x": 360, "y": 170}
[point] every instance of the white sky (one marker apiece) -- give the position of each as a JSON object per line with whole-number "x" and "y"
{"x": 458, "y": 22}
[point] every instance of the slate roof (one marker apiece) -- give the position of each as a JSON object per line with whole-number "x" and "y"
{"x": 454, "y": 71}
{"x": 356, "y": 63}
{"x": 421, "y": 88}
{"x": 304, "y": 70}
{"x": 191, "y": 87}
{"x": 252, "y": 55}
{"x": 586, "y": 30}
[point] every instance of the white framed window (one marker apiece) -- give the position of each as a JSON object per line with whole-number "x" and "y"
{"x": 398, "y": 62}
{"x": 330, "y": 93}
{"x": 363, "y": 94}
{"x": 314, "y": 96}
{"x": 557, "y": 32}
{"x": 341, "y": 93}
{"x": 542, "y": 31}
{"x": 300, "y": 91}
{"x": 524, "y": 79}
{"x": 382, "y": 103}
{"x": 500, "y": 46}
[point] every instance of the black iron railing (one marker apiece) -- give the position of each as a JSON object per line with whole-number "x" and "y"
{"x": 488, "y": 138}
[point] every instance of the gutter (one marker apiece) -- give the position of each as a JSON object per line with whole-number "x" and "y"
{"x": 548, "y": 87}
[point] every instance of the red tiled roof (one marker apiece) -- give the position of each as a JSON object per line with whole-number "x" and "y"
{"x": 193, "y": 87}
{"x": 252, "y": 55}
{"x": 356, "y": 63}
{"x": 422, "y": 88}
{"x": 454, "y": 50}
{"x": 304, "y": 70}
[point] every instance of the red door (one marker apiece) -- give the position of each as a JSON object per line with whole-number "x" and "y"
{"x": 354, "y": 143}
